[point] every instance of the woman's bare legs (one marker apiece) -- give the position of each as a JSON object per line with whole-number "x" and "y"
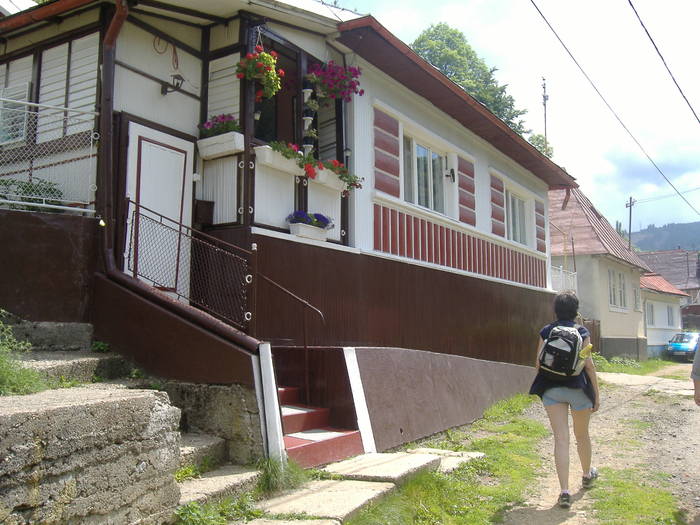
{"x": 581, "y": 419}
{"x": 559, "y": 420}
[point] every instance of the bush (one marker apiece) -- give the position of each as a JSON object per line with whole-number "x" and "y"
{"x": 14, "y": 378}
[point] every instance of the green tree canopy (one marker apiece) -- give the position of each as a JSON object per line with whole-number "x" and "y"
{"x": 541, "y": 144}
{"x": 448, "y": 50}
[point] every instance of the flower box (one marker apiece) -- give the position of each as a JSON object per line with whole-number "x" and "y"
{"x": 329, "y": 179}
{"x": 220, "y": 145}
{"x": 310, "y": 232}
{"x": 266, "y": 156}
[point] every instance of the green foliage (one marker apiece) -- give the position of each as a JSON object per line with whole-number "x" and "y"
{"x": 541, "y": 143}
{"x": 669, "y": 237}
{"x": 100, "y": 347}
{"x": 276, "y": 476}
{"x": 631, "y": 496}
{"x": 137, "y": 373}
{"x": 35, "y": 190}
{"x": 447, "y": 49}
{"x": 220, "y": 513}
{"x": 626, "y": 365}
{"x": 65, "y": 382}
{"x": 14, "y": 378}
{"x": 186, "y": 472}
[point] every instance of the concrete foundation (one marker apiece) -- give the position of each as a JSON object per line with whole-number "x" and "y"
{"x": 633, "y": 347}
{"x": 88, "y": 456}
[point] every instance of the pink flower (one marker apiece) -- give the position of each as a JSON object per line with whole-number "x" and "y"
{"x": 310, "y": 171}
{"x": 259, "y": 49}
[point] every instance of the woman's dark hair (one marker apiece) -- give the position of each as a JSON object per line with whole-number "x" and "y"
{"x": 566, "y": 306}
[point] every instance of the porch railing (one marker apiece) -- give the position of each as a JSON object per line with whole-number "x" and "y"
{"x": 563, "y": 280}
{"x": 48, "y": 157}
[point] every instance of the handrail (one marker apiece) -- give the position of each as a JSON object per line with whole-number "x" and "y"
{"x": 305, "y": 303}
{"x": 47, "y": 106}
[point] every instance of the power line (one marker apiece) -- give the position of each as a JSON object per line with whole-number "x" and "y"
{"x": 611, "y": 109}
{"x": 651, "y": 199}
{"x": 664, "y": 62}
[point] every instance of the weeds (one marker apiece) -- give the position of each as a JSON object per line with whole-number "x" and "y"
{"x": 276, "y": 476}
{"x": 220, "y": 513}
{"x": 626, "y": 365}
{"x": 14, "y": 378}
{"x": 99, "y": 347}
{"x": 194, "y": 471}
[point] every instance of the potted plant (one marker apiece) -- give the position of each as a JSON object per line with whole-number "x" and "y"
{"x": 261, "y": 66}
{"x": 334, "y": 82}
{"x": 281, "y": 156}
{"x": 309, "y": 225}
{"x": 220, "y": 136}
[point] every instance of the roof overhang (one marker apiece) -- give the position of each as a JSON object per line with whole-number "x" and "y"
{"x": 373, "y": 42}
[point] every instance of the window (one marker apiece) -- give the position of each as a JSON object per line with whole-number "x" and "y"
{"x": 669, "y": 314}
{"x": 617, "y": 289}
{"x": 622, "y": 291}
{"x": 650, "y": 314}
{"x": 424, "y": 173}
{"x": 515, "y": 216}
{"x": 637, "y": 300}
{"x": 612, "y": 287}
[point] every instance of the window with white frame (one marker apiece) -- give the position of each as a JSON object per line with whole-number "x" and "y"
{"x": 516, "y": 218}
{"x": 669, "y": 315}
{"x": 617, "y": 289}
{"x": 650, "y": 314}
{"x": 637, "y": 300}
{"x": 424, "y": 175}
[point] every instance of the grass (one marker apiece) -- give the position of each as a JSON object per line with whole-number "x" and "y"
{"x": 482, "y": 490}
{"x": 626, "y": 365}
{"x": 628, "y": 496}
{"x": 14, "y": 378}
{"x": 277, "y": 477}
{"x": 218, "y": 513}
{"x": 192, "y": 471}
{"x": 679, "y": 377}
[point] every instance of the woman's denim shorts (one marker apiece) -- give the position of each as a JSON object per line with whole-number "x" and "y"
{"x": 575, "y": 397}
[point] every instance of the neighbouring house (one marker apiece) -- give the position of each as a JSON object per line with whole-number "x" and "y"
{"x": 410, "y": 317}
{"x": 608, "y": 273}
{"x": 662, "y": 311}
{"x": 681, "y": 268}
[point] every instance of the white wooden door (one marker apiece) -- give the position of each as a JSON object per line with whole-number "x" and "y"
{"x": 159, "y": 178}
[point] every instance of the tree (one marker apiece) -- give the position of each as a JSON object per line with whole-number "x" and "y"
{"x": 538, "y": 140}
{"x": 448, "y": 50}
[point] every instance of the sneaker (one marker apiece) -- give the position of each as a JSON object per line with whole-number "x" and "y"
{"x": 587, "y": 481}
{"x": 564, "y": 500}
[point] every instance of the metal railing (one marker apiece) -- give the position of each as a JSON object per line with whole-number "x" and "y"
{"x": 48, "y": 157}
{"x": 563, "y": 280}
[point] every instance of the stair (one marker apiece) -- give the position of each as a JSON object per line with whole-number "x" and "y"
{"x": 225, "y": 481}
{"x": 201, "y": 449}
{"x": 308, "y": 438}
{"x": 78, "y": 365}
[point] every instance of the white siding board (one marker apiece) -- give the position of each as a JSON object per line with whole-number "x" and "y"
{"x": 224, "y": 35}
{"x": 224, "y": 87}
{"x": 82, "y": 89}
{"x": 186, "y": 34}
{"x": 220, "y": 184}
{"x": 53, "y": 30}
{"x": 19, "y": 71}
{"x": 52, "y": 82}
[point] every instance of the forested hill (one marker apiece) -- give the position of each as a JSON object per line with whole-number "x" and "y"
{"x": 668, "y": 237}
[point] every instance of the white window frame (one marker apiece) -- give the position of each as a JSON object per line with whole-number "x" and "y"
{"x": 650, "y": 314}
{"x": 670, "y": 315}
{"x": 617, "y": 289}
{"x": 515, "y": 230}
{"x": 413, "y": 175}
{"x": 637, "y": 299}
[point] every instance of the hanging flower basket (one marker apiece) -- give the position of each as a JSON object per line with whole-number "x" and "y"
{"x": 267, "y": 156}
{"x": 334, "y": 82}
{"x": 261, "y": 66}
{"x": 220, "y": 137}
{"x": 328, "y": 178}
{"x": 310, "y": 225}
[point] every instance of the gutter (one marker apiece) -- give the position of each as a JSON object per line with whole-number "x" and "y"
{"x": 39, "y": 13}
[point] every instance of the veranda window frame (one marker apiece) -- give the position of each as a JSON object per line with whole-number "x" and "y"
{"x": 410, "y": 145}
{"x": 516, "y": 223}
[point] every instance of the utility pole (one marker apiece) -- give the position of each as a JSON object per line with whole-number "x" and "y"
{"x": 545, "y": 98}
{"x": 629, "y": 205}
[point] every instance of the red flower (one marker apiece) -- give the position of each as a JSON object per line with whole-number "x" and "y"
{"x": 320, "y": 165}
{"x": 268, "y": 68}
{"x": 280, "y": 72}
{"x": 294, "y": 147}
{"x": 249, "y": 56}
{"x": 336, "y": 164}
{"x": 259, "y": 49}
{"x": 259, "y": 65}
{"x": 273, "y": 54}
{"x": 258, "y": 95}
{"x": 310, "y": 171}
{"x": 240, "y": 75}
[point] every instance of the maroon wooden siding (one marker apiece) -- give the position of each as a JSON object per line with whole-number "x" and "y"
{"x": 453, "y": 248}
{"x": 467, "y": 201}
{"x": 373, "y": 301}
{"x": 498, "y": 203}
{"x": 386, "y": 154}
{"x": 539, "y": 227}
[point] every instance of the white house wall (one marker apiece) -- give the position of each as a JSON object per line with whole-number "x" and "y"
{"x": 312, "y": 44}
{"x": 224, "y": 35}
{"x": 191, "y": 36}
{"x": 141, "y": 96}
{"x": 617, "y": 321}
{"x": 224, "y": 87}
{"x": 661, "y": 331}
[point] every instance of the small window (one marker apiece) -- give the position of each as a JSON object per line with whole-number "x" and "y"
{"x": 515, "y": 215}
{"x": 637, "y": 299}
{"x": 424, "y": 171}
{"x": 650, "y": 314}
{"x": 612, "y": 288}
{"x": 669, "y": 314}
{"x": 622, "y": 290}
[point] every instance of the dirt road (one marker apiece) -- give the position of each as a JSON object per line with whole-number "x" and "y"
{"x": 644, "y": 422}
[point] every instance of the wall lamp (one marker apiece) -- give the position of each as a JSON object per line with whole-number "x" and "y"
{"x": 174, "y": 85}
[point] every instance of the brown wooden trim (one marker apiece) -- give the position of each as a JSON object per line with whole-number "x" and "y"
{"x": 467, "y": 216}
{"x": 466, "y": 199}
{"x": 164, "y": 36}
{"x": 498, "y": 228}
{"x": 387, "y": 183}
{"x": 386, "y": 142}
{"x": 204, "y": 78}
{"x": 497, "y": 198}
{"x": 539, "y": 207}
{"x": 466, "y": 183}
{"x": 54, "y": 20}
{"x": 386, "y": 123}
{"x": 497, "y": 183}
{"x": 51, "y": 42}
{"x": 153, "y": 78}
{"x": 466, "y": 167}
{"x": 498, "y": 213}
{"x": 386, "y": 163}
{"x": 224, "y": 51}
{"x": 183, "y": 11}
{"x": 166, "y": 17}
{"x": 159, "y": 127}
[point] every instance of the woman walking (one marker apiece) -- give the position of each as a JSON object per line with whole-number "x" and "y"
{"x": 579, "y": 392}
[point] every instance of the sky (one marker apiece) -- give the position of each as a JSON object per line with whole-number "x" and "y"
{"x": 611, "y": 46}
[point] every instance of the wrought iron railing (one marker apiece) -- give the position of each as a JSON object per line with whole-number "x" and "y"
{"x": 563, "y": 280}
{"x": 48, "y": 157}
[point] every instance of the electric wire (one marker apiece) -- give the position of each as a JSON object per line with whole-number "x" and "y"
{"x": 651, "y": 199}
{"x": 664, "y": 62}
{"x": 611, "y": 108}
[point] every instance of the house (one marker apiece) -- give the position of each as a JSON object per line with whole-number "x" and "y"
{"x": 410, "y": 318}
{"x": 662, "y": 311}
{"x": 608, "y": 273}
{"x": 681, "y": 268}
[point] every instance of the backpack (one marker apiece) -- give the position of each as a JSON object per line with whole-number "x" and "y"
{"x": 560, "y": 357}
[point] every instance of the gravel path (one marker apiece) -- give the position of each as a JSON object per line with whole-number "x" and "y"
{"x": 644, "y": 422}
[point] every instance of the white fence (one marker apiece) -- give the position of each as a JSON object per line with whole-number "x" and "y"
{"x": 563, "y": 280}
{"x": 48, "y": 157}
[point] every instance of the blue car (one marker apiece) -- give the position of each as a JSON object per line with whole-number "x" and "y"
{"x": 684, "y": 344}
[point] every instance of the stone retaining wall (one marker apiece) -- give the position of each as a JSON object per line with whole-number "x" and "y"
{"x": 87, "y": 456}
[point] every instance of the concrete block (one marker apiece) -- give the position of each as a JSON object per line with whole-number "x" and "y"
{"x": 393, "y": 467}
{"x": 292, "y": 522}
{"x": 230, "y": 480}
{"x": 449, "y": 459}
{"x": 197, "y": 448}
{"x": 47, "y": 336}
{"x": 327, "y": 499}
{"x": 87, "y": 456}
{"x": 77, "y": 365}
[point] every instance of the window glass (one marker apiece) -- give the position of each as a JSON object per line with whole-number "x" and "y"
{"x": 438, "y": 193}
{"x": 423, "y": 175}
{"x": 408, "y": 175}
{"x": 669, "y": 314}
{"x": 650, "y": 314}
{"x": 622, "y": 290}
{"x": 515, "y": 212}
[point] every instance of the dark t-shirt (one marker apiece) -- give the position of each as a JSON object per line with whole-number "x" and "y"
{"x": 542, "y": 383}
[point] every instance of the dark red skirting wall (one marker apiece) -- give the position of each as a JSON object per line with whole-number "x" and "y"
{"x": 372, "y": 301}
{"x": 46, "y": 262}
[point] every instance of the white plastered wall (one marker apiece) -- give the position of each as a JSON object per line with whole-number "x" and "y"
{"x": 661, "y": 331}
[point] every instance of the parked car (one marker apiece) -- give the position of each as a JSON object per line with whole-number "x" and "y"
{"x": 684, "y": 344}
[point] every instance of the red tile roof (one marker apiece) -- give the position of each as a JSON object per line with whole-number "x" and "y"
{"x": 592, "y": 234}
{"x": 680, "y": 267}
{"x": 656, "y": 283}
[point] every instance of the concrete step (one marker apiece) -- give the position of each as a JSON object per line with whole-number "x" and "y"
{"x": 78, "y": 365}
{"x": 262, "y": 521}
{"x": 201, "y": 449}
{"x": 47, "y": 336}
{"x": 328, "y": 499}
{"x": 395, "y": 467}
{"x": 289, "y": 395}
{"x": 229, "y": 480}
{"x": 296, "y": 418}
{"x": 320, "y": 446}
{"x": 450, "y": 460}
